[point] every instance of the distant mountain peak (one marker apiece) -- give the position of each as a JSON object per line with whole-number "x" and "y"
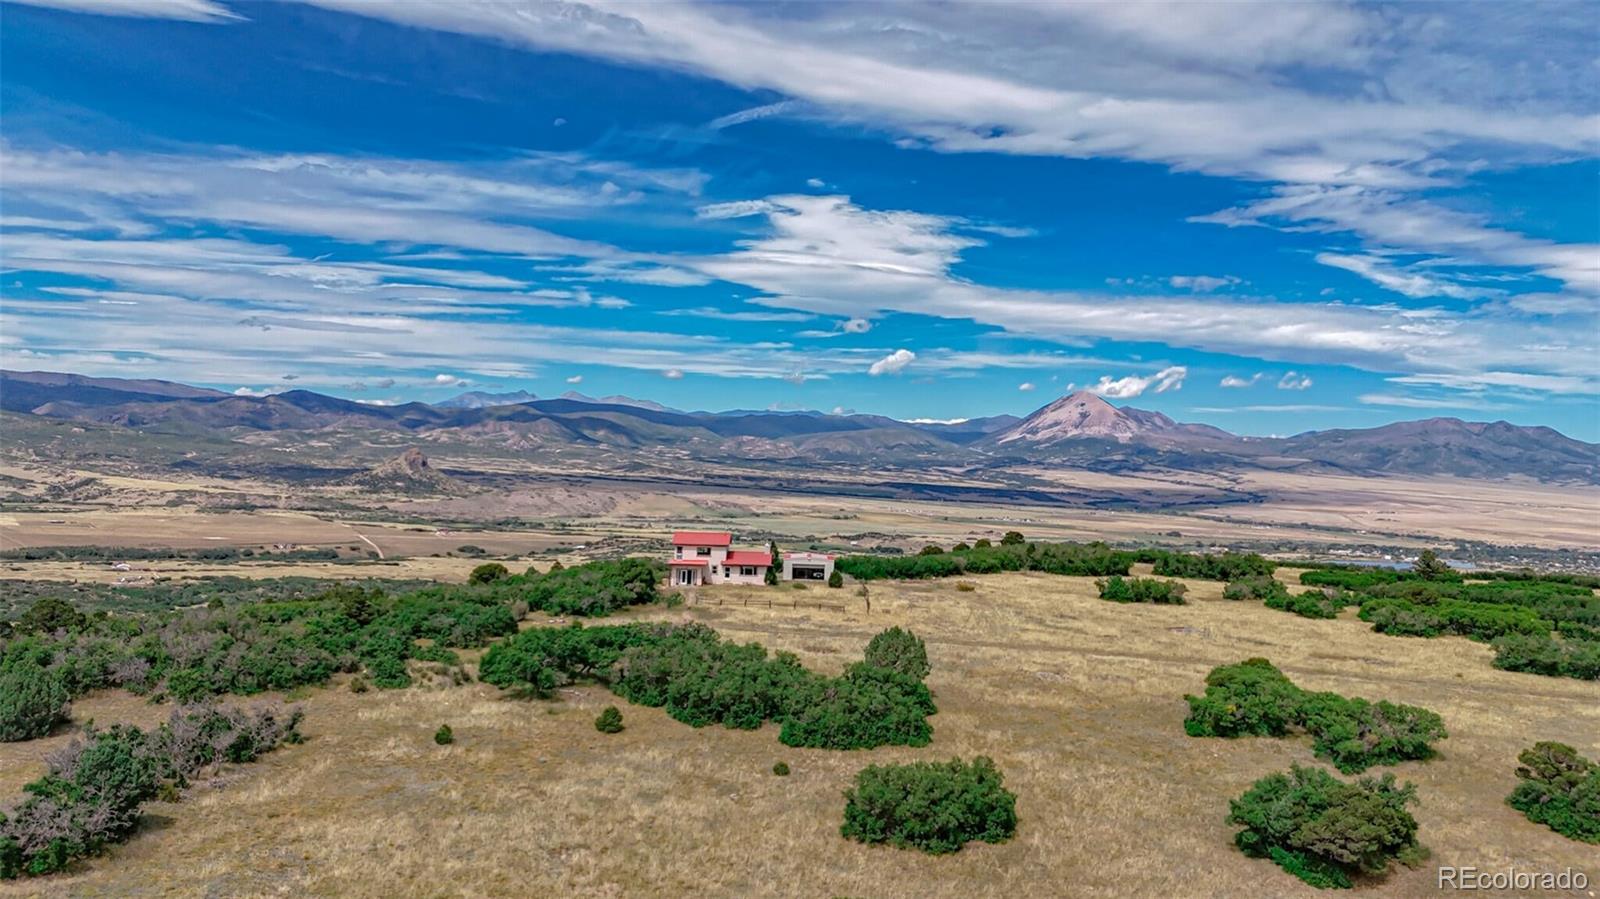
{"x": 615, "y": 400}
{"x": 1079, "y": 414}
{"x": 478, "y": 399}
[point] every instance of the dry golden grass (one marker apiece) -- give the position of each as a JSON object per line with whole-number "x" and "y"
{"x": 1079, "y": 701}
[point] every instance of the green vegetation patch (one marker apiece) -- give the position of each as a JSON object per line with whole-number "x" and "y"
{"x": 91, "y": 796}
{"x": 1142, "y": 589}
{"x": 1560, "y": 789}
{"x": 1540, "y": 625}
{"x": 1254, "y": 698}
{"x": 937, "y": 807}
{"x": 700, "y": 679}
{"x": 1325, "y": 831}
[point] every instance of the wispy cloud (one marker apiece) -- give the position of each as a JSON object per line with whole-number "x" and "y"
{"x": 1293, "y": 380}
{"x": 183, "y": 10}
{"x": 1203, "y": 283}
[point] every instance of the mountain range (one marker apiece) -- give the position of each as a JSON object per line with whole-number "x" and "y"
{"x": 1078, "y": 430}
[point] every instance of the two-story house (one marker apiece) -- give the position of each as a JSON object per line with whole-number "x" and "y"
{"x": 708, "y": 557}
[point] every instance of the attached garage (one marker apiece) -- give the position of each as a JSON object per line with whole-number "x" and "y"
{"x": 807, "y": 566}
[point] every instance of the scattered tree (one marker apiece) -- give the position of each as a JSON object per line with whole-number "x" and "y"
{"x": 488, "y": 572}
{"x": 32, "y": 700}
{"x": 781, "y": 769}
{"x": 610, "y": 720}
{"x": 835, "y": 580}
{"x": 1430, "y": 567}
{"x": 899, "y": 650}
{"x": 49, "y": 615}
{"x": 1013, "y": 538}
{"x": 444, "y": 736}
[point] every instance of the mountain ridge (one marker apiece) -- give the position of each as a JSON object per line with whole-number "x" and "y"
{"x": 1078, "y": 430}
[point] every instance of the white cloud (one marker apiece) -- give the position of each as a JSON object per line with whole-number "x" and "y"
{"x": 856, "y": 326}
{"x": 817, "y": 183}
{"x": 575, "y": 379}
{"x": 1234, "y": 381}
{"x": 259, "y": 391}
{"x": 1170, "y": 378}
{"x": 446, "y": 380}
{"x": 1294, "y": 381}
{"x": 892, "y": 364}
{"x": 1025, "y": 386}
{"x": 673, "y": 374}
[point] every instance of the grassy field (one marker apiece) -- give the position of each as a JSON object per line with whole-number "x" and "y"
{"x": 1079, "y": 701}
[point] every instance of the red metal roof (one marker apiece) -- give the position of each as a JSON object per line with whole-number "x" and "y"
{"x": 749, "y": 557}
{"x": 701, "y": 538}
{"x": 688, "y": 562}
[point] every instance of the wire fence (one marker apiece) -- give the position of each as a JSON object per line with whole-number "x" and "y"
{"x": 769, "y": 602}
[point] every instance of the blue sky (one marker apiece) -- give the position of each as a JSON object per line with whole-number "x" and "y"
{"x": 1269, "y": 218}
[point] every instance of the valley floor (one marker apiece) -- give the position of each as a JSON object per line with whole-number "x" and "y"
{"x": 1079, "y": 701}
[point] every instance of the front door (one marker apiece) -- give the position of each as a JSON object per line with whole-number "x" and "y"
{"x": 686, "y": 577}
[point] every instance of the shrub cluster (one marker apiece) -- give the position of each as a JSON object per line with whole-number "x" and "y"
{"x": 1560, "y": 789}
{"x": 1256, "y": 587}
{"x": 1516, "y": 612}
{"x": 1253, "y": 698}
{"x": 1323, "y": 830}
{"x": 937, "y": 807}
{"x": 193, "y": 654}
{"x": 591, "y": 589}
{"x": 1221, "y": 567}
{"x": 1475, "y": 620}
{"x": 32, "y": 700}
{"x": 1142, "y": 589}
{"x": 700, "y": 679}
{"x": 1310, "y": 604}
{"x": 1082, "y": 559}
{"x": 91, "y": 796}
{"x": 1550, "y": 656}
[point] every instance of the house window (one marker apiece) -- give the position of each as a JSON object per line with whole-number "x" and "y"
{"x": 748, "y": 570}
{"x": 702, "y": 550}
{"x": 677, "y": 552}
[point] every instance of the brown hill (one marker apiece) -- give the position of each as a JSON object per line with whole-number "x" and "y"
{"x": 408, "y": 472}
